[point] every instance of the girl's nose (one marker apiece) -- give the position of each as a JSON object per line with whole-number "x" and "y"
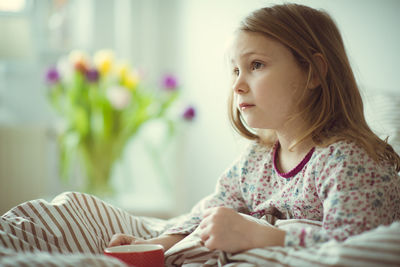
{"x": 240, "y": 87}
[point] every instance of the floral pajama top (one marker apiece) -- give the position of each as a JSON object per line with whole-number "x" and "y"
{"x": 339, "y": 185}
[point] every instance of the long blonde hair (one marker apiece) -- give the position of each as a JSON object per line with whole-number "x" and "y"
{"x": 334, "y": 110}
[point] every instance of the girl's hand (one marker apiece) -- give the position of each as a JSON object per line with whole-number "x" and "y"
{"x": 123, "y": 239}
{"x": 225, "y": 229}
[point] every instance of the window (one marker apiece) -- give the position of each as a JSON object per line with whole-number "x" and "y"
{"x": 13, "y": 6}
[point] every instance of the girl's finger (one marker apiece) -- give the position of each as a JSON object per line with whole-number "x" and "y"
{"x": 209, "y": 243}
{"x": 204, "y": 236}
{"x": 127, "y": 240}
{"x": 115, "y": 240}
{"x": 120, "y": 239}
{"x": 204, "y": 222}
{"x": 204, "y": 233}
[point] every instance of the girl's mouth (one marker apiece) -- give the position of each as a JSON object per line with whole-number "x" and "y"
{"x": 244, "y": 106}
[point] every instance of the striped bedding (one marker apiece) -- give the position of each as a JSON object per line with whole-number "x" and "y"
{"x": 74, "y": 228}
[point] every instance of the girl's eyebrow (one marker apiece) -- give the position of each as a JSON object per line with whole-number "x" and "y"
{"x": 250, "y": 53}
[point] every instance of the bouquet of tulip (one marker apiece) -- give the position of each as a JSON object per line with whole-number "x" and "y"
{"x": 103, "y": 103}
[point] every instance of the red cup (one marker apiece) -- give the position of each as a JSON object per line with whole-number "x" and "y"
{"x": 141, "y": 255}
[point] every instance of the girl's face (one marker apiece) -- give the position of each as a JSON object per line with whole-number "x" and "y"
{"x": 267, "y": 80}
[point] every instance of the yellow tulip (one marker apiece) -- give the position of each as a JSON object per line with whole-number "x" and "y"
{"x": 122, "y": 69}
{"x": 130, "y": 80}
{"x": 103, "y": 60}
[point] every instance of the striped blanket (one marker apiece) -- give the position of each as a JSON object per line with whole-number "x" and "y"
{"x": 74, "y": 228}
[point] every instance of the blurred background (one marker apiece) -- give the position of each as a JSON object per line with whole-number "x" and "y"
{"x": 184, "y": 37}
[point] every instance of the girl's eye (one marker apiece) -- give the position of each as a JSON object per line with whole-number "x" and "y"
{"x": 236, "y": 71}
{"x": 256, "y": 65}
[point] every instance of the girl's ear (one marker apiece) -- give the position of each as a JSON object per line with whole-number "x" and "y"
{"x": 314, "y": 78}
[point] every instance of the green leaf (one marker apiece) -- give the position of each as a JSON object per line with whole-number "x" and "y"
{"x": 81, "y": 121}
{"x": 68, "y": 144}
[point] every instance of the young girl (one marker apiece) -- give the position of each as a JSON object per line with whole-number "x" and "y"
{"x": 313, "y": 156}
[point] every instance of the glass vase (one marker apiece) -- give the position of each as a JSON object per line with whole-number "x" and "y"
{"x": 97, "y": 165}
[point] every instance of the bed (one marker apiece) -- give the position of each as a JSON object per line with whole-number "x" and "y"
{"x": 74, "y": 228}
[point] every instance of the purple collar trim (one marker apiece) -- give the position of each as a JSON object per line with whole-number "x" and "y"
{"x": 296, "y": 169}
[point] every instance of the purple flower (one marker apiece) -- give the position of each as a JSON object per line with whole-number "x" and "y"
{"x": 169, "y": 82}
{"x": 189, "y": 113}
{"x": 92, "y": 75}
{"x": 52, "y": 75}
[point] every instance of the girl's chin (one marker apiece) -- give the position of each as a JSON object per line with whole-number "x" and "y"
{"x": 255, "y": 125}
{"x": 258, "y": 127}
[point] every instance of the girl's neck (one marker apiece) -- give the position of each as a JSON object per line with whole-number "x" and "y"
{"x": 289, "y": 157}
{"x": 286, "y": 145}
{"x": 288, "y": 135}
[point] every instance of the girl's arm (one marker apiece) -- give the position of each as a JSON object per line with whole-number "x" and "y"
{"x": 357, "y": 194}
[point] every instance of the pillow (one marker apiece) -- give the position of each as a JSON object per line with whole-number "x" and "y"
{"x": 382, "y": 111}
